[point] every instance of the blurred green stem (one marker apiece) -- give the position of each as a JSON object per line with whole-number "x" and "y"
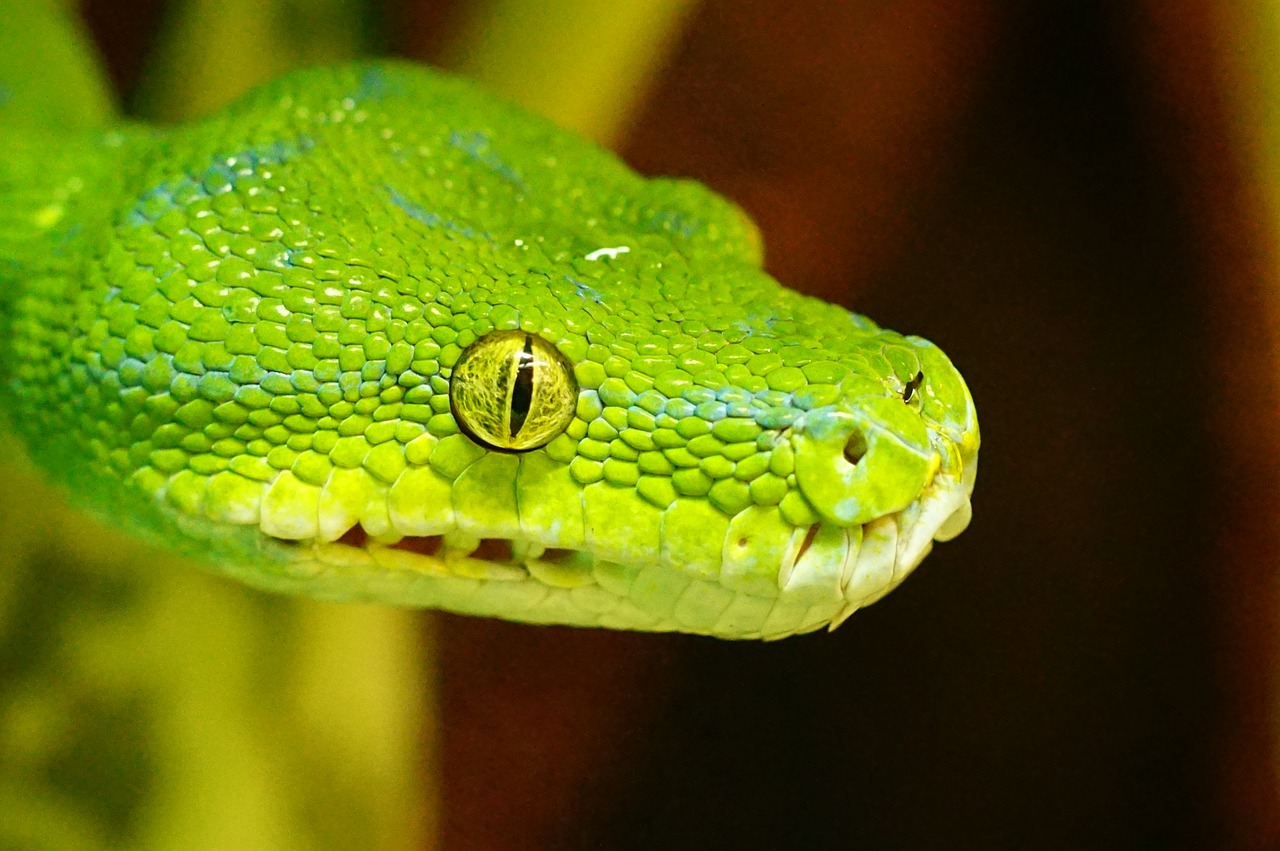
{"x": 212, "y": 51}
{"x": 66, "y": 88}
{"x": 585, "y": 64}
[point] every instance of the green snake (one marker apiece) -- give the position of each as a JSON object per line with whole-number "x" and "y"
{"x": 373, "y": 334}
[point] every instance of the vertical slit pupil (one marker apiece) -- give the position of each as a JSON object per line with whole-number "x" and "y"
{"x": 522, "y": 390}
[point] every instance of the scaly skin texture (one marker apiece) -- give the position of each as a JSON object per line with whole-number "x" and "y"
{"x": 238, "y": 335}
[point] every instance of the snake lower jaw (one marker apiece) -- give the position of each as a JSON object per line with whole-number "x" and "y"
{"x": 823, "y": 575}
{"x": 457, "y": 554}
{"x": 894, "y": 545}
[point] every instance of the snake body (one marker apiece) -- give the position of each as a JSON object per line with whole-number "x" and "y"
{"x": 246, "y": 338}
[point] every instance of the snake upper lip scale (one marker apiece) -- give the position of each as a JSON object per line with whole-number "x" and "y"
{"x": 371, "y": 333}
{"x": 865, "y": 564}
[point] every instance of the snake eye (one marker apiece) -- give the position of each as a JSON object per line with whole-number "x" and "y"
{"x": 512, "y": 391}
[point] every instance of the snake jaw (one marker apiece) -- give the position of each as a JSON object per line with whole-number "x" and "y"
{"x": 820, "y": 575}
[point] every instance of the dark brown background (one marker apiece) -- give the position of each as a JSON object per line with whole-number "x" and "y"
{"x": 1055, "y": 196}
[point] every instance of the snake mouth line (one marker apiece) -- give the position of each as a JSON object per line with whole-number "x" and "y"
{"x": 829, "y": 572}
{"x": 453, "y": 553}
{"x": 503, "y": 554}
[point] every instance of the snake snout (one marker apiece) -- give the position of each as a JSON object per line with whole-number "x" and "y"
{"x": 857, "y": 462}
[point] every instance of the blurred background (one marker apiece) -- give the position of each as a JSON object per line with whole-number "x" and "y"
{"x": 1078, "y": 202}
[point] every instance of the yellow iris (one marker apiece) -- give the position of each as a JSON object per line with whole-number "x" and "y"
{"x": 512, "y": 391}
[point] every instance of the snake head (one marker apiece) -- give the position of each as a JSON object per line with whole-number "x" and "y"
{"x": 373, "y": 334}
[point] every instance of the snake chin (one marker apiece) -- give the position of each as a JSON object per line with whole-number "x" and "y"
{"x": 893, "y": 546}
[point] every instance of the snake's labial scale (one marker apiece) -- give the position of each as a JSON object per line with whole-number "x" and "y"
{"x": 253, "y": 337}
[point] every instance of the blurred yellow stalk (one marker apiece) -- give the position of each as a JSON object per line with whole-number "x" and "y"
{"x": 585, "y": 64}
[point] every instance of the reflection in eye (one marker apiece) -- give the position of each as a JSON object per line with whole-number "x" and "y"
{"x": 912, "y": 386}
{"x": 512, "y": 391}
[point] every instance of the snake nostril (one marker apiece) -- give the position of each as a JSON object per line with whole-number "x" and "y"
{"x": 855, "y": 448}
